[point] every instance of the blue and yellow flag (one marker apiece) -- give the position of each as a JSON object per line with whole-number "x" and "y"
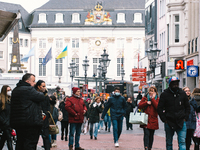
{"x": 63, "y": 53}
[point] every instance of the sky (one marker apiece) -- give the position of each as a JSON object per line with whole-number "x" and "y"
{"x": 27, "y": 4}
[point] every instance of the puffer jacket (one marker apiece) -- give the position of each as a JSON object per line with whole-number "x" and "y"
{"x": 4, "y": 114}
{"x": 25, "y": 106}
{"x": 174, "y": 108}
{"x": 75, "y": 108}
{"x": 117, "y": 105}
{"x": 191, "y": 122}
{"x": 93, "y": 112}
{"x": 151, "y": 110}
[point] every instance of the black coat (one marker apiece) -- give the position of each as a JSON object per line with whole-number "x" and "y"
{"x": 5, "y": 115}
{"x": 87, "y": 106}
{"x": 191, "y": 122}
{"x": 45, "y": 105}
{"x": 93, "y": 113}
{"x": 129, "y": 108}
{"x": 174, "y": 108}
{"x": 64, "y": 111}
{"x": 25, "y": 106}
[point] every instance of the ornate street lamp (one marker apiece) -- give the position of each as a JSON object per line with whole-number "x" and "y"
{"x": 104, "y": 62}
{"x": 72, "y": 69}
{"x": 99, "y": 69}
{"x": 85, "y": 67}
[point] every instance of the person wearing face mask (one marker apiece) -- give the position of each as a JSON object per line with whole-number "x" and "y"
{"x": 5, "y": 117}
{"x": 117, "y": 105}
{"x": 174, "y": 109}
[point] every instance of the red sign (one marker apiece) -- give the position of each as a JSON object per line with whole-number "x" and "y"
{"x": 143, "y": 83}
{"x": 139, "y": 70}
{"x": 190, "y": 62}
{"x": 139, "y": 74}
{"x": 179, "y": 64}
{"x": 85, "y": 90}
{"x": 139, "y": 79}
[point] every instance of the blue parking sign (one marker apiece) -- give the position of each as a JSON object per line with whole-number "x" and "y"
{"x": 192, "y": 71}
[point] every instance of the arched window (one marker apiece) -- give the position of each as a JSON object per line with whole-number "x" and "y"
{"x": 137, "y": 18}
{"x": 59, "y": 18}
{"x": 42, "y": 18}
{"x": 121, "y": 18}
{"x": 75, "y": 18}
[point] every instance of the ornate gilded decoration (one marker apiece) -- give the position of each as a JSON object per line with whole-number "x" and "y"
{"x": 34, "y": 40}
{"x": 14, "y": 60}
{"x": 129, "y": 39}
{"x": 98, "y": 16}
{"x": 111, "y": 40}
{"x": 98, "y": 42}
{"x": 67, "y": 39}
{"x": 50, "y": 40}
{"x": 85, "y": 40}
{"x": 17, "y": 40}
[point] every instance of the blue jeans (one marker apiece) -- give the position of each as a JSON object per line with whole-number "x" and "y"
{"x": 181, "y": 133}
{"x": 95, "y": 125}
{"x": 74, "y": 127}
{"x": 100, "y": 124}
{"x": 107, "y": 119}
{"x": 117, "y": 128}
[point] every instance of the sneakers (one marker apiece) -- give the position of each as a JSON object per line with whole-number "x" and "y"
{"x": 99, "y": 130}
{"x": 116, "y": 144}
{"x": 108, "y": 129}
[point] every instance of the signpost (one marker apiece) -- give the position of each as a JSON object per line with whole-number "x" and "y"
{"x": 139, "y": 74}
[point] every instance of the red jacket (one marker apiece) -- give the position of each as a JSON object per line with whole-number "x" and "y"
{"x": 75, "y": 107}
{"x": 151, "y": 110}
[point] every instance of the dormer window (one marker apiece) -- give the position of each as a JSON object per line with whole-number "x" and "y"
{"x": 137, "y": 18}
{"x": 59, "y": 18}
{"x": 75, "y": 18}
{"x": 121, "y": 18}
{"x": 42, "y": 18}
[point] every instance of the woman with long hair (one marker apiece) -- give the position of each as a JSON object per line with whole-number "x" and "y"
{"x": 5, "y": 97}
{"x": 149, "y": 105}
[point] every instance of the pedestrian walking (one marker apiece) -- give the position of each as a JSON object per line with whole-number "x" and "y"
{"x": 117, "y": 105}
{"x": 76, "y": 109}
{"x": 107, "y": 119}
{"x": 93, "y": 117}
{"x": 64, "y": 121}
{"x": 149, "y": 105}
{"x": 45, "y": 105}
{"x": 85, "y": 122}
{"x": 26, "y": 113}
{"x": 100, "y": 124}
{"x": 196, "y": 96}
{"x": 174, "y": 109}
{"x": 5, "y": 97}
{"x": 129, "y": 109}
{"x": 54, "y": 112}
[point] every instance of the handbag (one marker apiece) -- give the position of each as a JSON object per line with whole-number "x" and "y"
{"x": 138, "y": 117}
{"x": 53, "y": 129}
{"x": 197, "y": 130}
{"x": 60, "y": 116}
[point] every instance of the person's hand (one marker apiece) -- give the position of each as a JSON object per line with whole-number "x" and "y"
{"x": 88, "y": 119}
{"x": 149, "y": 102}
{"x": 154, "y": 95}
{"x": 84, "y": 111}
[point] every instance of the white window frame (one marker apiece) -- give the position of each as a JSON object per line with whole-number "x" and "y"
{"x": 21, "y": 42}
{"x": 59, "y": 67}
{"x": 59, "y": 18}
{"x": 20, "y": 25}
{"x": 76, "y": 61}
{"x": 42, "y": 68}
{"x": 1, "y": 54}
{"x": 42, "y": 43}
{"x": 95, "y": 65}
{"x": 26, "y": 43}
{"x": 120, "y": 43}
{"x": 75, "y": 18}
{"x": 121, "y": 18}
{"x": 75, "y": 43}
{"x": 10, "y": 41}
{"x": 175, "y": 24}
{"x": 137, "y": 18}
{"x": 42, "y": 18}
{"x": 59, "y": 43}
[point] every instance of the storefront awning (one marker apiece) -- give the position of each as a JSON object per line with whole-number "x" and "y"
{"x": 7, "y": 21}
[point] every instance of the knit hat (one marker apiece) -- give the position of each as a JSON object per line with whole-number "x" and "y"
{"x": 88, "y": 99}
{"x": 74, "y": 89}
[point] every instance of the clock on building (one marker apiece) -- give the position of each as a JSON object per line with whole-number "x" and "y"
{"x": 98, "y": 43}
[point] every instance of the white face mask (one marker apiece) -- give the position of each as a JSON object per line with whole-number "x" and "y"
{"x": 9, "y": 93}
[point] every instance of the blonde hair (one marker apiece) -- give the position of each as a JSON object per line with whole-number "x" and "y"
{"x": 185, "y": 88}
{"x": 98, "y": 97}
{"x": 153, "y": 87}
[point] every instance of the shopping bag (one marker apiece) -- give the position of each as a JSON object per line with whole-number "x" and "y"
{"x": 197, "y": 130}
{"x": 138, "y": 117}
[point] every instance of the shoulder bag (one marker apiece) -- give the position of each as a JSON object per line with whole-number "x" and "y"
{"x": 138, "y": 117}
{"x": 53, "y": 129}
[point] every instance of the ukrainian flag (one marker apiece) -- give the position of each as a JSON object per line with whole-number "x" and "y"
{"x": 63, "y": 53}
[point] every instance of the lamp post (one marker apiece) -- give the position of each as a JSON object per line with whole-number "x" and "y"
{"x": 72, "y": 70}
{"x": 85, "y": 67}
{"x": 153, "y": 54}
{"x": 104, "y": 62}
{"x": 99, "y": 69}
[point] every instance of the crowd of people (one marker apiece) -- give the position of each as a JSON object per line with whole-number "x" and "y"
{"x": 30, "y": 110}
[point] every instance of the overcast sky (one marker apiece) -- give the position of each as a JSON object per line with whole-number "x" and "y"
{"x": 27, "y": 4}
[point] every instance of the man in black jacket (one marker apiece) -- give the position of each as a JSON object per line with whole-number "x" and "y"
{"x": 173, "y": 109}
{"x": 26, "y": 113}
{"x": 45, "y": 105}
{"x": 129, "y": 109}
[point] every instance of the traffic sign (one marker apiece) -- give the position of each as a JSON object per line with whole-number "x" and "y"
{"x": 139, "y": 70}
{"x": 139, "y": 74}
{"x": 192, "y": 71}
{"x": 139, "y": 79}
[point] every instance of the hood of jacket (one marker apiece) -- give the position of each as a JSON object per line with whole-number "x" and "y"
{"x": 196, "y": 96}
{"x": 22, "y": 83}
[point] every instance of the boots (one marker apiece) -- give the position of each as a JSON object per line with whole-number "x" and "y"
{"x": 79, "y": 148}
{"x": 106, "y": 126}
{"x": 54, "y": 144}
{"x": 71, "y": 147}
{"x": 65, "y": 138}
{"x": 62, "y": 136}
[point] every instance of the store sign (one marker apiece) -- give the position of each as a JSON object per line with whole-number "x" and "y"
{"x": 192, "y": 71}
{"x": 179, "y": 64}
{"x": 190, "y": 62}
{"x": 139, "y": 74}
